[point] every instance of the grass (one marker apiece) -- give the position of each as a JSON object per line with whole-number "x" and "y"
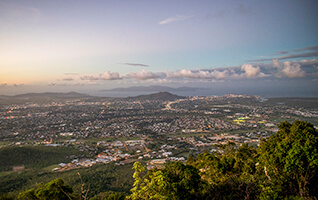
{"x": 50, "y": 167}
{"x": 98, "y": 178}
{"x": 35, "y": 157}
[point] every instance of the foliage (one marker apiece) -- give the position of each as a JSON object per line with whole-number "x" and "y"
{"x": 290, "y": 159}
{"x": 98, "y": 178}
{"x": 231, "y": 175}
{"x": 284, "y": 167}
{"x": 109, "y": 196}
{"x": 175, "y": 181}
{"x": 54, "y": 190}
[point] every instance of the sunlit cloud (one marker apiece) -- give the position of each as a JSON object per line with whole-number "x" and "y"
{"x": 288, "y": 69}
{"x": 197, "y": 74}
{"x": 107, "y": 75}
{"x": 144, "y": 75}
{"x": 67, "y": 79}
{"x": 176, "y": 18}
{"x": 275, "y": 69}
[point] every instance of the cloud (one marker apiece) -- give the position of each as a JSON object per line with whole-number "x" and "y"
{"x": 197, "y": 74}
{"x": 309, "y": 62}
{"x": 300, "y": 55}
{"x": 135, "y": 64}
{"x": 176, "y": 18}
{"x": 13, "y": 85}
{"x": 144, "y": 75}
{"x": 274, "y": 70}
{"x": 282, "y": 52}
{"x": 107, "y": 75}
{"x": 288, "y": 69}
{"x": 252, "y": 72}
{"x": 249, "y": 71}
{"x": 313, "y": 52}
{"x": 3, "y": 85}
{"x": 311, "y": 48}
{"x": 67, "y": 79}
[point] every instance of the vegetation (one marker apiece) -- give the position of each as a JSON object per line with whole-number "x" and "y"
{"x": 54, "y": 190}
{"x": 283, "y": 167}
{"x": 290, "y": 160}
{"x": 98, "y": 179}
{"x": 34, "y": 157}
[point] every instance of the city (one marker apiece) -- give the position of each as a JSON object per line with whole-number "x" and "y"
{"x": 125, "y": 130}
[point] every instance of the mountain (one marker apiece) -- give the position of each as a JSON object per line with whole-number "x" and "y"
{"x": 40, "y": 97}
{"x": 163, "y": 96}
{"x": 52, "y": 95}
{"x": 153, "y": 88}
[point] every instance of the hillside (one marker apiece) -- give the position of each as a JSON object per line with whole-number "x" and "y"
{"x": 153, "y": 88}
{"x": 52, "y": 95}
{"x": 34, "y": 157}
{"x": 40, "y": 97}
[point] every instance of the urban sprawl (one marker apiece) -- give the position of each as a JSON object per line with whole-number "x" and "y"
{"x": 156, "y": 131}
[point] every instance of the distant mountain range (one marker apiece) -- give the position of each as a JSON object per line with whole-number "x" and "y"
{"x": 40, "y": 97}
{"x": 154, "y": 88}
{"x": 52, "y": 95}
{"x": 163, "y": 96}
{"x": 48, "y": 96}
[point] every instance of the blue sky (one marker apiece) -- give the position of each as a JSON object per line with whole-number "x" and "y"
{"x": 93, "y": 45}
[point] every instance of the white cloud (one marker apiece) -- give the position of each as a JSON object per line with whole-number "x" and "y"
{"x": 175, "y": 19}
{"x": 107, "y": 75}
{"x": 144, "y": 75}
{"x": 276, "y": 69}
{"x": 198, "y": 74}
{"x": 220, "y": 74}
{"x": 288, "y": 69}
{"x": 110, "y": 76}
{"x": 252, "y": 72}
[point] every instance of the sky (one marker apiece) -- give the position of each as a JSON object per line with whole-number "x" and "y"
{"x": 89, "y": 46}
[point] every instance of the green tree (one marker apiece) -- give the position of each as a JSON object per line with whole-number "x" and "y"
{"x": 289, "y": 159}
{"x": 176, "y": 181}
{"x": 230, "y": 175}
{"x": 110, "y": 195}
{"x": 54, "y": 190}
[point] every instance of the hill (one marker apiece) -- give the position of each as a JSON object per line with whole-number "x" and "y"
{"x": 153, "y": 88}
{"x": 34, "y": 157}
{"x": 52, "y": 95}
{"x": 40, "y": 97}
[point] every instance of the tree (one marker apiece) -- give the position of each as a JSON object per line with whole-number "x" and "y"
{"x": 54, "y": 190}
{"x": 290, "y": 159}
{"x": 231, "y": 175}
{"x": 110, "y": 195}
{"x": 176, "y": 181}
